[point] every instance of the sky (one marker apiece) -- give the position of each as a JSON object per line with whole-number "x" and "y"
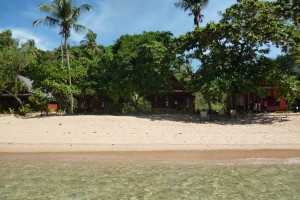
{"x": 109, "y": 19}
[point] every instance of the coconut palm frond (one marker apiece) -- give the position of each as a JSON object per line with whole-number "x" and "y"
{"x": 89, "y": 38}
{"x": 49, "y": 21}
{"x": 47, "y": 8}
{"x": 195, "y": 6}
{"x": 77, "y": 12}
{"x": 81, "y": 29}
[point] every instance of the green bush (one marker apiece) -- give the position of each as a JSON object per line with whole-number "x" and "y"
{"x": 10, "y": 111}
{"x": 60, "y": 112}
{"x": 40, "y": 101}
{"x": 144, "y": 106}
{"x": 24, "y": 110}
{"x": 128, "y": 109}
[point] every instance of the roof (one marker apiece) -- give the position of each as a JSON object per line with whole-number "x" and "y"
{"x": 26, "y": 81}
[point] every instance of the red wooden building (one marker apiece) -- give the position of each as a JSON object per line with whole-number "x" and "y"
{"x": 179, "y": 98}
{"x": 256, "y": 102}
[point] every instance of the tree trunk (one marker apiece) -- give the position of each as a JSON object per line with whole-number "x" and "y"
{"x": 62, "y": 52}
{"x": 209, "y": 104}
{"x": 196, "y": 21}
{"x": 70, "y": 78}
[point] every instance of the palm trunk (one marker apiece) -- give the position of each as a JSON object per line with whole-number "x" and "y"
{"x": 70, "y": 78}
{"x": 62, "y": 52}
{"x": 196, "y": 22}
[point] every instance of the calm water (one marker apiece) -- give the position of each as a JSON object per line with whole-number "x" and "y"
{"x": 95, "y": 180}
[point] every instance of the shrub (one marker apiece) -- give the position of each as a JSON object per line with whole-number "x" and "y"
{"x": 144, "y": 106}
{"x": 10, "y": 111}
{"x": 128, "y": 109}
{"x": 40, "y": 101}
{"x": 24, "y": 110}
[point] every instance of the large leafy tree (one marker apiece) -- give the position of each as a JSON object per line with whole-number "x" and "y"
{"x": 51, "y": 77}
{"x": 232, "y": 51}
{"x": 14, "y": 62}
{"x": 289, "y": 11}
{"x": 64, "y": 14}
{"x": 141, "y": 65}
{"x": 97, "y": 77}
{"x": 195, "y": 7}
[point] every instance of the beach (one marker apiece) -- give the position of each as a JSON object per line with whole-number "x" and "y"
{"x": 150, "y": 137}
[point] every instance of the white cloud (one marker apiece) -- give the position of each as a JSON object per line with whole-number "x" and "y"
{"x": 112, "y": 18}
{"x": 24, "y": 34}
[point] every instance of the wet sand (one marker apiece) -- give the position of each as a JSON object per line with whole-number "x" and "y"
{"x": 218, "y": 156}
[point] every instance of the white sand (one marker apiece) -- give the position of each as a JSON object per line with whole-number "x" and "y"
{"x": 146, "y": 133}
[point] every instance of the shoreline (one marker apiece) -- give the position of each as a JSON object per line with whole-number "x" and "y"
{"x": 16, "y": 148}
{"x": 182, "y": 156}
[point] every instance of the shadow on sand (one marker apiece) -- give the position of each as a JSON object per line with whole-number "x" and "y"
{"x": 260, "y": 118}
{"x": 240, "y": 120}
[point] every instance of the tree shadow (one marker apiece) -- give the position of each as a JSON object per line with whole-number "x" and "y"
{"x": 240, "y": 120}
{"x": 262, "y": 119}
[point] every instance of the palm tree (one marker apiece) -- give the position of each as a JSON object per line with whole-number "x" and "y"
{"x": 89, "y": 44}
{"x": 195, "y": 6}
{"x": 64, "y": 14}
{"x": 30, "y": 47}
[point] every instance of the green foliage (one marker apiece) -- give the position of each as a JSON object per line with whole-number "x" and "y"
{"x": 144, "y": 106}
{"x": 64, "y": 14}
{"x": 128, "y": 109}
{"x": 141, "y": 65}
{"x": 90, "y": 47}
{"x": 200, "y": 103}
{"x": 60, "y": 112}
{"x": 94, "y": 76}
{"x": 10, "y": 111}
{"x": 7, "y": 41}
{"x": 14, "y": 61}
{"x": 25, "y": 109}
{"x": 287, "y": 64}
{"x": 232, "y": 51}
{"x": 232, "y": 55}
{"x": 184, "y": 74}
{"x": 40, "y": 100}
{"x": 60, "y": 92}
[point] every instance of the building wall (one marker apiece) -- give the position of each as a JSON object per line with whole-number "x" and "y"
{"x": 251, "y": 101}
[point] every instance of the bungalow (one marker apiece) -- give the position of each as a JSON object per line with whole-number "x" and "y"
{"x": 90, "y": 103}
{"x": 8, "y": 100}
{"x": 270, "y": 102}
{"x": 179, "y": 98}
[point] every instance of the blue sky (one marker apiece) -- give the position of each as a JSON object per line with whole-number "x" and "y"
{"x": 109, "y": 19}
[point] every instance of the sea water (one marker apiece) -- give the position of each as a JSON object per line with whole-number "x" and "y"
{"x": 67, "y": 179}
